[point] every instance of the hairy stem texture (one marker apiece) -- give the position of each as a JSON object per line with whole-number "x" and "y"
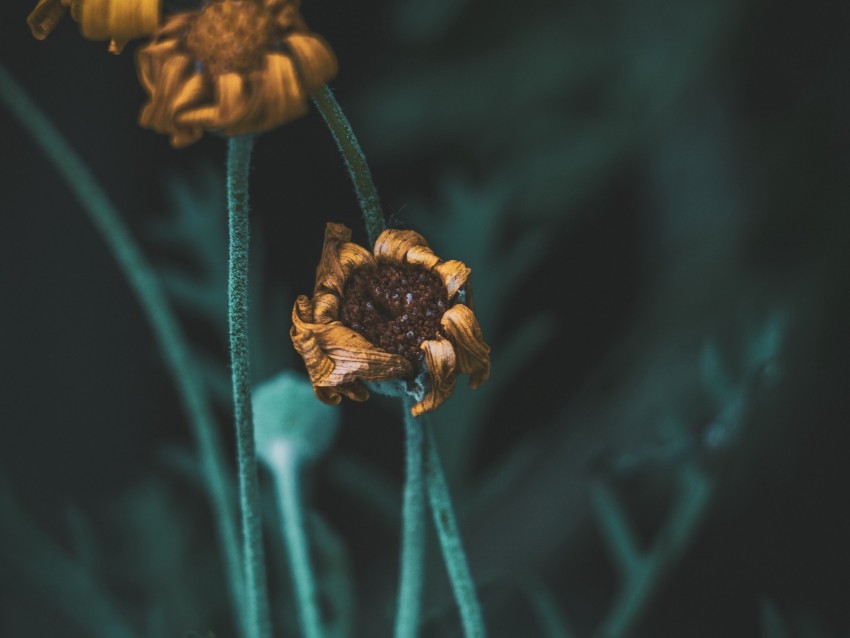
{"x": 412, "y": 531}
{"x": 256, "y": 597}
{"x": 355, "y": 162}
{"x": 143, "y": 281}
{"x": 450, "y": 542}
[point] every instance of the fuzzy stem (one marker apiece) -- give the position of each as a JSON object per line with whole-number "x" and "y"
{"x": 143, "y": 281}
{"x": 355, "y": 161}
{"x": 413, "y": 531}
{"x": 285, "y": 464}
{"x": 450, "y": 542}
{"x": 256, "y": 596}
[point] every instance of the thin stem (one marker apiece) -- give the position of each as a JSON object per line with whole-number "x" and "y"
{"x": 412, "y": 532}
{"x": 256, "y": 597}
{"x": 143, "y": 281}
{"x": 355, "y": 161}
{"x": 285, "y": 465}
{"x": 450, "y": 542}
{"x": 642, "y": 582}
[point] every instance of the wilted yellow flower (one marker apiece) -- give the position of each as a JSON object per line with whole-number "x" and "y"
{"x": 115, "y": 20}
{"x": 389, "y": 314}
{"x": 234, "y": 66}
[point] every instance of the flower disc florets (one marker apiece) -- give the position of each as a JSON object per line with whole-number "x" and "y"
{"x": 396, "y": 313}
{"x": 230, "y": 36}
{"x": 395, "y": 306}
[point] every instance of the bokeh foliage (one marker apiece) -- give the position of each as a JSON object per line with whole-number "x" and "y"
{"x": 652, "y": 197}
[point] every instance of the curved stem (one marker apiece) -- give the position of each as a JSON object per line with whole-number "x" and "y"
{"x": 256, "y": 597}
{"x": 355, "y": 161}
{"x": 284, "y": 457}
{"x": 450, "y": 542}
{"x": 143, "y": 281}
{"x": 413, "y": 531}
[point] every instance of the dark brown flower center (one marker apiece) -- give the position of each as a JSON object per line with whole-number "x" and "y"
{"x": 230, "y": 36}
{"x": 395, "y": 306}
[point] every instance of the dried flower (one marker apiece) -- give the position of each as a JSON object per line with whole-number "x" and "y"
{"x": 118, "y": 21}
{"x": 234, "y": 66}
{"x": 395, "y": 313}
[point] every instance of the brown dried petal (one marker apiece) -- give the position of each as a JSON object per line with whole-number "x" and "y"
{"x": 121, "y": 20}
{"x": 353, "y": 256}
{"x": 423, "y": 256}
{"x": 335, "y": 354}
{"x": 166, "y": 73}
{"x": 314, "y": 58}
{"x": 473, "y": 353}
{"x": 441, "y": 362}
{"x": 45, "y": 17}
{"x": 228, "y": 108}
{"x": 330, "y": 274}
{"x": 333, "y": 396}
{"x": 275, "y": 96}
{"x": 325, "y": 307}
{"x": 393, "y": 244}
{"x": 454, "y": 274}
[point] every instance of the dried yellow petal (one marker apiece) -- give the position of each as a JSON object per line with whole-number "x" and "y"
{"x": 119, "y": 19}
{"x": 473, "y": 353}
{"x": 315, "y": 59}
{"x": 371, "y": 316}
{"x": 454, "y": 275}
{"x": 257, "y": 63}
{"x": 45, "y": 17}
{"x": 441, "y": 362}
{"x": 393, "y": 244}
{"x": 335, "y": 354}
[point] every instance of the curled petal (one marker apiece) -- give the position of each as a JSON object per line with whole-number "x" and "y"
{"x": 393, "y": 244}
{"x": 314, "y": 58}
{"x": 330, "y": 274}
{"x": 228, "y": 108}
{"x": 119, "y": 20}
{"x": 473, "y": 353}
{"x": 422, "y": 256}
{"x": 454, "y": 274}
{"x": 333, "y": 396}
{"x": 353, "y": 256}
{"x": 170, "y": 92}
{"x": 337, "y": 355}
{"x": 275, "y": 97}
{"x": 45, "y": 17}
{"x": 355, "y": 358}
{"x": 441, "y": 362}
{"x": 319, "y": 364}
{"x": 325, "y": 307}
{"x": 176, "y": 24}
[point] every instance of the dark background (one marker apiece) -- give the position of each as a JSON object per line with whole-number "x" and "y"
{"x": 635, "y": 185}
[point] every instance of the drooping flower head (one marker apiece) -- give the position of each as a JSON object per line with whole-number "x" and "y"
{"x": 234, "y": 67}
{"x": 115, "y": 20}
{"x": 399, "y": 312}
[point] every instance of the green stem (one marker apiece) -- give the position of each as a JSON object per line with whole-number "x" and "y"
{"x": 413, "y": 531}
{"x": 256, "y": 597}
{"x": 643, "y": 577}
{"x": 142, "y": 279}
{"x": 285, "y": 464}
{"x": 450, "y": 542}
{"x": 355, "y": 161}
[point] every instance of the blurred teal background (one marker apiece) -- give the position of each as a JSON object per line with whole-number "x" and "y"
{"x": 654, "y": 201}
